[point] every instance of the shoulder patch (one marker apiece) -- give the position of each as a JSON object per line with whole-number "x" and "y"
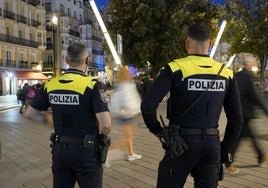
{"x": 104, "y": 96}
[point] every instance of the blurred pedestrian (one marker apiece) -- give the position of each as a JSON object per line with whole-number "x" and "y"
{"x": 19, "y": 94}
{"x": 23, "y": 97}
{"x": 30, "y": 94}
{"x": 81, "y": 122}
{"x": 199, "y": 87}
{"x": 265, "y": 90}
{"x": 249, "y": 100}
{"x": 147, "y": 83}
{"x": 125, "y": 106}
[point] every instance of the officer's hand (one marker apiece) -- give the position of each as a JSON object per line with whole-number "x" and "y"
{"x": 48, "y": 118}
{"x": 226, "y": 157}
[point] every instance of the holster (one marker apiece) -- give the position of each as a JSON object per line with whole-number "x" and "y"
{"x": 221, "y": 172}
{"x": 173, "y": 142}
{"x": 104, "y": 144}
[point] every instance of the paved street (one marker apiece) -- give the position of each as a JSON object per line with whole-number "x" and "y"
{"x": 26, "y": 159}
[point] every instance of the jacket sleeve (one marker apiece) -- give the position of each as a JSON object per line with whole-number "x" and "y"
{"x": 232, "y": 107}
{"x": 151, "y": 101}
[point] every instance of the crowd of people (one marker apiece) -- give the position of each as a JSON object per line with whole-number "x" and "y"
{"x": 83, "y": 116}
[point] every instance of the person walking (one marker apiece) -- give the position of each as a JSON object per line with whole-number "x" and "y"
{"x": 81, "y": 122}
{"x": 125, "y": 105}
{"x": 199, "y": 87}
{"x": 23, "y": 97}
{"x": 19, "y": 94}
{"x": 265, "y": 90}
{"x": 249, "y": 100}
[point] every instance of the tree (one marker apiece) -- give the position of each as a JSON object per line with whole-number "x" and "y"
{"x": 247, "y": 28}
{"x": 155, "y": 30}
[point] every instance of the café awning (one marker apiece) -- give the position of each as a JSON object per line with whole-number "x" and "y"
{"x": 28, "y": 75}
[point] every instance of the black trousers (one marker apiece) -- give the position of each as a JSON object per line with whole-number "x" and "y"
{"x": 71, "y": 163}
{"x": 202, "y": 160}
{"x": 247, "y": 131}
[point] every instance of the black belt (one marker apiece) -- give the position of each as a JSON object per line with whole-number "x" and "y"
{"x": 196, "y": 131}
{"x": 69, "y": 140}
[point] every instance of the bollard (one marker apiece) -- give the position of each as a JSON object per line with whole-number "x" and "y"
{"x": 0, "y": 149}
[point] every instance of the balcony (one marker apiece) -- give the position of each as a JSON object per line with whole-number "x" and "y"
{"x": 19, "y": 41}
{"x": 23, "y": 64}
{"x": 49, "y": 28}
{"x": 49, "y": 45}
{"x": 74, "y": 33}
{"x": 22, "y": 19}
{"x": 34, "y": 2}
{"x": 10, "y": 63}
{"x": 96, "y": 38}
{"x": 34, "y": 23}
{"x": 9, "y": 15}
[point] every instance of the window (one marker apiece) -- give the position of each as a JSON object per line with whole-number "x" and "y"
{"x": 48, "y": 6}
{"x": 20, "y": 56}
{"x": 31, "y": 36}
{"x": 68, "y": 11}
{"x": 49, "y": 58}
{"x": 8, "y": 32}
{"x": 61, "y": 8}
{"x": 49, "y": 40}
{"x": 8, "y": 57}
{"x": 74, "y": 14}
{"x": 74, "y": 2}
{"x": 39, "y": 38}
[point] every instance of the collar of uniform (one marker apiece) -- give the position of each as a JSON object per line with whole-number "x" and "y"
{"x": 202, "y": 55}
{"x": 75, "y": 71}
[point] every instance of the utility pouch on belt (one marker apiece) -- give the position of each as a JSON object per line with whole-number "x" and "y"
{"x": 172, "y": 142}
{"x": 104, "y": 144}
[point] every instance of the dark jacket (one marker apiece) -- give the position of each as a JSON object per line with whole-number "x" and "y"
{"x": 186, "y": 79}
{"x": 248, "y": 95}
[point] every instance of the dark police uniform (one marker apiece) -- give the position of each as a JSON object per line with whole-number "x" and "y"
{"x": 74, "y": 99}
{"x": 186, "y": 79}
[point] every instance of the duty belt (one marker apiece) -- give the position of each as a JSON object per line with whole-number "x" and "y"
{"x": 69, "y": 140}
{"x": 197, "y": 131}
{"x": 87, "y": 140}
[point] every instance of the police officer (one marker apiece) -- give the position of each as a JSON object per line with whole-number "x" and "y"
{"x": 80, "y": 116}
{"x": 186, "y": 79}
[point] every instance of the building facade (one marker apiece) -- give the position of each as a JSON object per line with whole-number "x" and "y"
{"x": 22, "y": 42}
{"x": 75, "y": 23}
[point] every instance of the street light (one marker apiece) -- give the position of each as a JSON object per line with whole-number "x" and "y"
{"x": 105, "y": 33}
{"x": 54, "y": 21}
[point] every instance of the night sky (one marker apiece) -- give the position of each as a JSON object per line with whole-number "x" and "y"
{"x": 101, "y": 3}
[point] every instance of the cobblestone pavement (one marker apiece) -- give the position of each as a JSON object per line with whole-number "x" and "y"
{"x": 26, "y": 159}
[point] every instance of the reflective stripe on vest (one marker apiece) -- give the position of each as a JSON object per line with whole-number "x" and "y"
{"x": 77, "y": 83}
{"x": 192, "y": 65}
